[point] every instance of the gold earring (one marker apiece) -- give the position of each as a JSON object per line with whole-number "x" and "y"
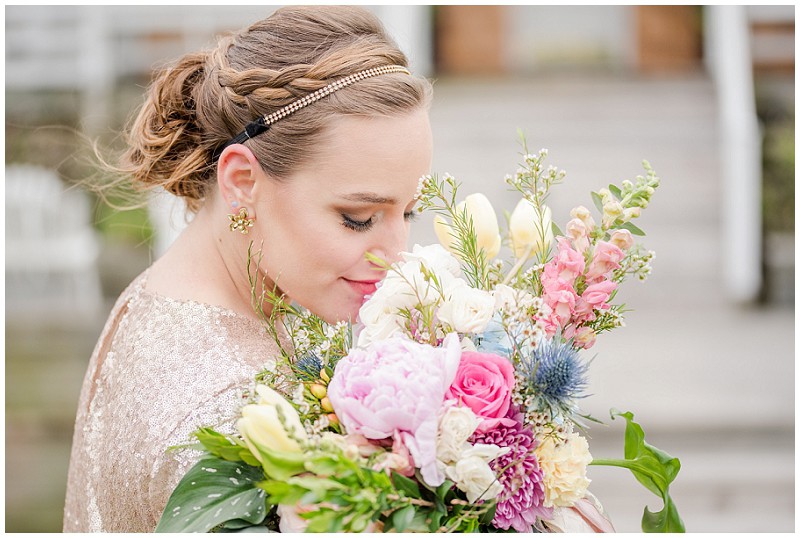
{"x": 241, "y": 221}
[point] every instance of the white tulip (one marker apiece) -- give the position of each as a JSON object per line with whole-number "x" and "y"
{"x": 530, "y": 231}
{"x": 484, "y": 220}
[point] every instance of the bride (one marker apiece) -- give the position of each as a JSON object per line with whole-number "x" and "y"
{"x": 304, "y": 134}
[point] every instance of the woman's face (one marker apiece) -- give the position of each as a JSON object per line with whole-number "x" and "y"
{"x": 355, "y": 196}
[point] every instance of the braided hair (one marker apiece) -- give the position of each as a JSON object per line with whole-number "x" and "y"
{"x": 207, "y": 97}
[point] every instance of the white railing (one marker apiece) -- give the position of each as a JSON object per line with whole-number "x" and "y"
{"x": 730, "y": 63}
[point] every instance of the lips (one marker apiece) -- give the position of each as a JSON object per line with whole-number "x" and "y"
{"x": 363, "y": 287}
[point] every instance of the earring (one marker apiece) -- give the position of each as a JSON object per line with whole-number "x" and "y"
{"x": 241, "y": 221}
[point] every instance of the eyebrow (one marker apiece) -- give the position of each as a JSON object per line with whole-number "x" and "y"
{"x": 368, "y": 198}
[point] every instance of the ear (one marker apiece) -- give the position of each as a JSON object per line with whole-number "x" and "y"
{"x": 237, "y": 173}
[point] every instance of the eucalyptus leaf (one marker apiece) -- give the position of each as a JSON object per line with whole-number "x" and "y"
{"x": 214, "y": 492}
{"x": 654, "y": 469}
{"x": 556, "y": 230}
{"x": 598, "y": 202}
{"x": 632, "y": 228}
{"x": 613, "y": 189}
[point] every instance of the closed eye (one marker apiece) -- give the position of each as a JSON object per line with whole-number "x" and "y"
{"x": 357, "y": 225}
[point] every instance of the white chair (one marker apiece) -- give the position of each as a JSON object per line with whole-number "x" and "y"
{"x": 51, "y": 247}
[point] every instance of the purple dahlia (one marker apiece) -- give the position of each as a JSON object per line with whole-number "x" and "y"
{"x": 522, "y": 497}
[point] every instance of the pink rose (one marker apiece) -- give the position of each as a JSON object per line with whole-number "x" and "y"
{"x": 483, "y": 383}
{"x": 396, "y": 387}
{"x": 606, "y": 257}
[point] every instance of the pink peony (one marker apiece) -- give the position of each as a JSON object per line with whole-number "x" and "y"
{"x": 396, "y": 387}
{"x": 484, "y": 383}
{"x": 605, "y": 258}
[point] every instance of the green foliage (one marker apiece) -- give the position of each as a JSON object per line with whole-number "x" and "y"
{"x": 779, "y": 175}
{"x": 440, "y": 196}
{"x": 214, "y": 492}
{"x": 655, "y": 470}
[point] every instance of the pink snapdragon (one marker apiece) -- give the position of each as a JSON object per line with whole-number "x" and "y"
{"x": 569, "y": 263}
{"x": 594, "y": 297}
{"x": 605, "y": 258}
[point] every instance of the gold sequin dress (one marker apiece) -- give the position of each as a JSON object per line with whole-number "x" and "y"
{"x": 161, "y": 369}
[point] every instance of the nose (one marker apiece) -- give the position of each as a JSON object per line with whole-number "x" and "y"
{"x": 392, "y": 241}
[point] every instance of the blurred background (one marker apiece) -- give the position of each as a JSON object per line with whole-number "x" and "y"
{"x": 704, "y": 93}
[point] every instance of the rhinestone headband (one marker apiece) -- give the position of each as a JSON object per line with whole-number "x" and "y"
{"x": 260, "y": 125}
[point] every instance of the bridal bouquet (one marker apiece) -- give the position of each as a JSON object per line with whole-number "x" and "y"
{"x": 452, "y": 405}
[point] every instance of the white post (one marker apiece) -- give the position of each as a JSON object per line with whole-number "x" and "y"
{"x": 728, "y": 46}
{"x": 97, "y": 69}
{"x": 412, "y": 28}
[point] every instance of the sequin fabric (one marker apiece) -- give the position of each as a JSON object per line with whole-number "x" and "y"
{"x": 161, "y": 369}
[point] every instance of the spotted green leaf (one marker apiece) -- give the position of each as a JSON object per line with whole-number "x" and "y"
{"x": 214, "y": 492}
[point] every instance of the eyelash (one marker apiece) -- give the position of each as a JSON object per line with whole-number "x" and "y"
{"x": 364, "y": 225}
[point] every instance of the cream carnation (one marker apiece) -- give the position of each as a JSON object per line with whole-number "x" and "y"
{"x": 564, "y": 465}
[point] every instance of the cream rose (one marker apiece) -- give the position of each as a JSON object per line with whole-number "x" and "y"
{"x": 564, "y": 469}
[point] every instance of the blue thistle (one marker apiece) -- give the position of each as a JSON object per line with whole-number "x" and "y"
{"x": 308, "y": 367}
{"x": 555, "y": 375}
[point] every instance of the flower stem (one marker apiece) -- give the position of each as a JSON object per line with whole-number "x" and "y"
{"x": 517, "y": 266}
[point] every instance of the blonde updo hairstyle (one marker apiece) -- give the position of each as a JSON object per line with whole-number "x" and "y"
{"x": 208, "y": 97}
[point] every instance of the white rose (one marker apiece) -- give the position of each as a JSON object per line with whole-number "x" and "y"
{"x": 473, "y": 476}
{"x": 381, "y": 329}
{"x": 421, "y": 288}
{"x": 466, "y": 309}
{"x": 435, "y": 257}
{"x": 455, "y": 427}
